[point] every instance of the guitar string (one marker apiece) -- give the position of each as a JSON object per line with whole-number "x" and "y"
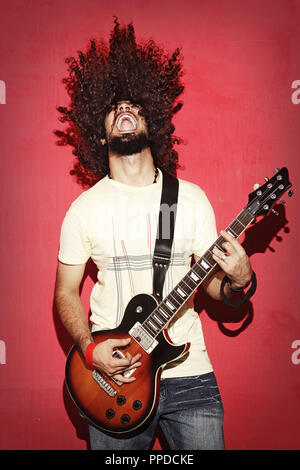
{"x": 156, "y": 310}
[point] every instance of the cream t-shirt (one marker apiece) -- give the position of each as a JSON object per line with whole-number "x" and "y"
{"x": 116, "y": 225}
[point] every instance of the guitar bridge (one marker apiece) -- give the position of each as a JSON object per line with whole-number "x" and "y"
{"x": 103, "y": 384}
{"x": 145, "y": 340}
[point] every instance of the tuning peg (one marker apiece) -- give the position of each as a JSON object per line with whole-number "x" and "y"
{"x": 276, "y": 170}
{"x": 290, "y": 193}
{"x": 266, "y": 178}
{"x": 255, "y": 186}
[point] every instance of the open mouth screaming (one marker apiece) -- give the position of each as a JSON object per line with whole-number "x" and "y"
{"x": 126, "y": 123}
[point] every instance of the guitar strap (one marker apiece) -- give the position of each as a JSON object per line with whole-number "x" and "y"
{"x": 165, "y": 233}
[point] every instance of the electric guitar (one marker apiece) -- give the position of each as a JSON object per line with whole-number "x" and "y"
{"x": 120, "y": 408}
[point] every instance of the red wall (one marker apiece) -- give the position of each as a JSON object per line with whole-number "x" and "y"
{"x": 240, "y": 120}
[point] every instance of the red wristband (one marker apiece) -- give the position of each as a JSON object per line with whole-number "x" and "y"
{"x": 89, "y": 354}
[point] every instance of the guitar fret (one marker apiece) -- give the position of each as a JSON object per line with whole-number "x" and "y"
{"x": 148, "y": 328}
{"x": 220, "y": 241}
{"x": 169, "y": 304}
{"x": 188, "y": 280}
{"x": 159, "y": 316}
{"x": 182, "y": 287}
{"x": 242, "y": 218}
{"x": 178, "y": 296}
{"x": 200, "y": 271}
{"x": 165, "y": 314}
{"x": 220, "y": 247}
{"x": 239, "y": 221}
{"x": 181, "y": 292}
{"x": 194, "y": 276}
{"x": 231, "y": 232}
{"x": 204, "y": 264}
{"x": 167, "y": 309}
{"x": 246, "y": 217}
{"x": 157, "y": 319}
{"x": 213, "y": 262}
{"x": 237, "y": 226}
{"x": 152, "y": 324}
{"x": 190, "y": 289}
{"x": 209, "y": 258}
{"x": 174, "y": 296}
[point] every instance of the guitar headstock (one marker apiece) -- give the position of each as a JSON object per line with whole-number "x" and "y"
{"x": 263, "y": 198}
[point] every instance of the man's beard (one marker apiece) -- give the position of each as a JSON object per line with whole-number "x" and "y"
{"x": 128, "y": 144}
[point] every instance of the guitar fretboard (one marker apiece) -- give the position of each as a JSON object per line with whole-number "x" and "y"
{"x": 166, "y": 310}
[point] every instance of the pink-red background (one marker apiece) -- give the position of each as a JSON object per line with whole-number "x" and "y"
{"x": 238, "y": 122}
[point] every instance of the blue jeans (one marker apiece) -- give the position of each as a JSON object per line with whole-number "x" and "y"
{"x": 190, "y": 414}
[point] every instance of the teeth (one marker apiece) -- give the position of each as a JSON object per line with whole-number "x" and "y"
{"x": 126, "y": 116}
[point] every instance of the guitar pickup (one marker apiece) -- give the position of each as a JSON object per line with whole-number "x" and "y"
{"x": 103, "y": 384}
{"x": 141, "y": 336}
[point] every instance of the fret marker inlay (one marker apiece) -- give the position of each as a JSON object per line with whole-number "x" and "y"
{"x": 170, "y": 305}
{"x": 163, "y": 313}
{"x": 157, "y": 319}
{"x": 180, "y": 292}
{"x": 230, "y": 233}
{"x": 204, "y": 264}
{"x": 193, "y": 275}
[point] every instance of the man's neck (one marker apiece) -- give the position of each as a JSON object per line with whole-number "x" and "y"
{"x": 134, "y": 170}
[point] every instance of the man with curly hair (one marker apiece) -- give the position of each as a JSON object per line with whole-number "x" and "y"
{"x": 123, "y": 98}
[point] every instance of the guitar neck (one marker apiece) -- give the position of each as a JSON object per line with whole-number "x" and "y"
{"x": 168, "y": 308}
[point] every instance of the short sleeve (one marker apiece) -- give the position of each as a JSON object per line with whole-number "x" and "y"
{"x": 74, "y": 247}
{"x": 205, "y": 231}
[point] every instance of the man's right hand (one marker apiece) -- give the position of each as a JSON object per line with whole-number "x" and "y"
{"x": 104, "y": 360}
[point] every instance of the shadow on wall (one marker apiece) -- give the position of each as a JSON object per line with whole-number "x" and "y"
{"x": 257, "y": 240}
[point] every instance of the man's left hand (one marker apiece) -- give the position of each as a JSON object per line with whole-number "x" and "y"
{"x": 235, "y": 262}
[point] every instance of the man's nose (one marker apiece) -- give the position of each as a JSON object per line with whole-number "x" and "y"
{"x": 123, "y": 106}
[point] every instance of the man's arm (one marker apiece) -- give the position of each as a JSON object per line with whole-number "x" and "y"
{"x": 69, "y": 304}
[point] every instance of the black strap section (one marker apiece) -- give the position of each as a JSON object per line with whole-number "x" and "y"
{"x": 165, "y": 233}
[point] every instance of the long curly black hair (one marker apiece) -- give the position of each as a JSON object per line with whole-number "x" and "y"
{"x": 109, "y": 72}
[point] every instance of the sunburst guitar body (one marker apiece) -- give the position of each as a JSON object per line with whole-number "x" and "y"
{"x": 108, "y": 404}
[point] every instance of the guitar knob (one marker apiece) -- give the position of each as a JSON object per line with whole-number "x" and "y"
{"x": 290, "y": 193}
{"x": 121, "y": 400}
{"x": 136, "y": 405}
{"x": 110, "y": 413}
{"x": 256, "y": 186}
{"x": 125, "y": 419}
{"x": 266, "y": 178}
